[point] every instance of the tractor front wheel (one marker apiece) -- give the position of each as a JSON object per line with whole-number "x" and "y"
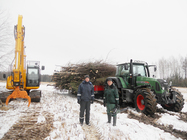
{"x": 145, "y": 101}
{"x": 178, "y": 105}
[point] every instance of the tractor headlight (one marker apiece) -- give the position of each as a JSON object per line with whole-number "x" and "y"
{"x": 163, "y": 88}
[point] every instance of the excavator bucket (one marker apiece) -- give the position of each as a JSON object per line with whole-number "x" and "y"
{"x": 17, "y": 93}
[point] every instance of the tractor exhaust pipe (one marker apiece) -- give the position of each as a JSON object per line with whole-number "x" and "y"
{"x": 131, "y": 74}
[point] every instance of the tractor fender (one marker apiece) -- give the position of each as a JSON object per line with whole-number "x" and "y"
{"x": 141, "y": 86}
{"x": 116, "y": 81}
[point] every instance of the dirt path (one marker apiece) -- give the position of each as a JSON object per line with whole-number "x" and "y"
{"x": 91, "y": 132}
{"x": 29, "y": 127}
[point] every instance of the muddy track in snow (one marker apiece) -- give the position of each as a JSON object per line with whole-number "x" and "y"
{"x": 182, "y": 115}
{"x": 152, "y": 121}
{"x": 28, "y": 128}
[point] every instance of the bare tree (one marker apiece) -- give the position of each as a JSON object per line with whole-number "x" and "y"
{"x": 174, "y": 69}
{"x": 163, "y": 68}
{"x": 171, "y": 67}
{"x": 184, "y": 66}
{"x": 6, "y": 41}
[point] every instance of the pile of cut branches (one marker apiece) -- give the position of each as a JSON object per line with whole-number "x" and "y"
{"x": 72, "y": 75}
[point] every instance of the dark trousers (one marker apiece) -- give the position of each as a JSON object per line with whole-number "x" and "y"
{"x": 85, "y": 105}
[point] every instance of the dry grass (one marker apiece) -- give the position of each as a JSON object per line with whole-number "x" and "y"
{"x": 4, "y": 108}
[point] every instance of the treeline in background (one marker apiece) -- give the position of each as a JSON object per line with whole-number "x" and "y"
{"x": 173, "y": 69}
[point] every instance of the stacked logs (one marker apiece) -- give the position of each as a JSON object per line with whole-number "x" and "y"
{"x": 72, "y": 75}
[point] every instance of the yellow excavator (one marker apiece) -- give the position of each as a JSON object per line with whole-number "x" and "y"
{"x": 23, "y": 80}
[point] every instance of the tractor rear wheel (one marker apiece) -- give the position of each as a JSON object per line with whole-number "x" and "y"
{"x": 145, "y": 101}
{"x": 178, "y": 105}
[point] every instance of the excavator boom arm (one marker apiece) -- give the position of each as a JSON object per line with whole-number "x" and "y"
{"x": 18, "y": 77}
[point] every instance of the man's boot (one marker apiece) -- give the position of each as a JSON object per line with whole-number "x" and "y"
{"x": 81, "y": 121}
{"x": 114, "y": 120}
{"x": 109, "y": 118}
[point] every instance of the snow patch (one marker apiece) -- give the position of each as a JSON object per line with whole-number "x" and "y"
{"x": 167, "y": 120}
{"x": 41, "y": 119}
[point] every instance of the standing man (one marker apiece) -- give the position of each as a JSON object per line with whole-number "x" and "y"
{"x": 85, "y": 96}
{"x": 111, "y": 100}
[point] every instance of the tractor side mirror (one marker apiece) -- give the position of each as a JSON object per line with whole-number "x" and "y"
{"x": 126, "y": 66}
{"x": 155, "y": 68}
{"x": 43, "y": 67}
{"x": 4, "y": 76}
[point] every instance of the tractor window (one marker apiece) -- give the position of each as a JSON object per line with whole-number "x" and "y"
{"x": 118, "y": 70}
{"x": 139, "y": 70}
{"x": 123, "y": 71}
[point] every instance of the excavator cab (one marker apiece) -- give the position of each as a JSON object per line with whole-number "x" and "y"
{"x": 33, "y": 78}
{"x": 33, "y": 74}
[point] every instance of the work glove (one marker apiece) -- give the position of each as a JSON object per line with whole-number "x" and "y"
{"x": 79, "y": 101}
{"x": 91, "y": 101}
{"x": 117, "y": 105}
{"x": 104, "y": 103}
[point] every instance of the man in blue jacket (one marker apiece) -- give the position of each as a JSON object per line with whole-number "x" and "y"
{"x": 85, "y": 96}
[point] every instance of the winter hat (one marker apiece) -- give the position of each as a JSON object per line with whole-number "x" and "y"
{"x": 86, "y": 76}
{"x": 109, "y": 79}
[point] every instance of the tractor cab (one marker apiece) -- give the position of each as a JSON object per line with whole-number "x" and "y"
{"x": 138, "y": 69}
{"x": 131, "y": 72}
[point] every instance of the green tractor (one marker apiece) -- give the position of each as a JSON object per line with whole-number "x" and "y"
{"x": 135, "y": 86}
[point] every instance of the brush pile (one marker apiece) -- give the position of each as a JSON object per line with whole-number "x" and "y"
{"x": 72, "y": 75}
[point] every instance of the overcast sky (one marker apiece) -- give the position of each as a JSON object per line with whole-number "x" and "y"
{"x": 62, "y": 31}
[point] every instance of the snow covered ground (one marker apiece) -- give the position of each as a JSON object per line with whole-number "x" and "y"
{"x": 66, "y": 125}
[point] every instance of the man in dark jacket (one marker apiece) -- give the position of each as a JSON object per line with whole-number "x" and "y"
{"x": 111, "y": 100}
{"x": 85, "y": 96}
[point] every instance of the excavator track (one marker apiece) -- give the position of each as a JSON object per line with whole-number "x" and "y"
{"x": 4, "y": 95}
{"x": 35, "y": 95}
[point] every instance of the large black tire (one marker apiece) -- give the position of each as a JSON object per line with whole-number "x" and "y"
{"x": 145, "y": 101}
{"x": 178, "y": 105}
{"x": 35, "y": 95}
